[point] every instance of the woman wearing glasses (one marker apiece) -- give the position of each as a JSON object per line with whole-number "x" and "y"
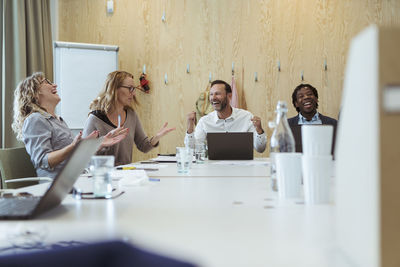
{"x": 47, "y": 138}
{"x": 113, "y": 108}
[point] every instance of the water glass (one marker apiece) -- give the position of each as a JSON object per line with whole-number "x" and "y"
{"x": 100, "y": 167}
{"x": 183, "y": 158}
{"x": 200, "y": 152}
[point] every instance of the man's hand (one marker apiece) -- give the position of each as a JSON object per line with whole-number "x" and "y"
{"x": 191, "y": 121}
{"x": 257, "y": 123}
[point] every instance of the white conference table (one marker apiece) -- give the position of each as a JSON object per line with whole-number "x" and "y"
{"x": 221, "y": 220}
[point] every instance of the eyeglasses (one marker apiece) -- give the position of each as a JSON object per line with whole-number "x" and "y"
{"x": 131, "y": 88}
{"x": 47, "y": 81}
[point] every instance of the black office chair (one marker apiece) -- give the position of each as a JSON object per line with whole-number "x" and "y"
{"x": 16, "y": 163}
{"x": 105, "y": 254}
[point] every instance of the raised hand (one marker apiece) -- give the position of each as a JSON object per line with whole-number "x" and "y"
{"x": 257, "y": 123}
{"x": 191, "y": 121}
{"x": 115, "y": 136}
{"x": 163, "y": 131}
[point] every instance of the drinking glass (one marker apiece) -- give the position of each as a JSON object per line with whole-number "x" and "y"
{"x": 100, "y": 167}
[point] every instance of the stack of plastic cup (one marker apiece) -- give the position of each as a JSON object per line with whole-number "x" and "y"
{"x": 317, "y": 163}
{"x": 288, "y": 174}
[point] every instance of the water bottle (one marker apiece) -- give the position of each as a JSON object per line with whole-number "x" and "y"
{"x": 282, "y": 139}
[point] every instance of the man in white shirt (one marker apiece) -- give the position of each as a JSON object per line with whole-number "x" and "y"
{"x": 224, "y": 118}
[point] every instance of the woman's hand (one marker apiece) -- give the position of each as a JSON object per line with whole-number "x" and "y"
{"x": 115, "y": 136}
{"x": 77, "y": 138}
{"x": 163, "y": 131}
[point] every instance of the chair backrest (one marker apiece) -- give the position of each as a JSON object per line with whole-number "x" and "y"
{"x": 15, "y": 163}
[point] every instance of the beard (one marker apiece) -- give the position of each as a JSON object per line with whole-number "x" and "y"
{"x": 223, "y": 104}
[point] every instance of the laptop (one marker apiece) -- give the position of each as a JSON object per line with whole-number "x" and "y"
{"x": 230, "y": 146}
{"x": 296, "y": 130}
{"x": 12, "y": 208}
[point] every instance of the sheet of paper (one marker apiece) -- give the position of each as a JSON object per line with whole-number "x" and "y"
{"x": 145, "y": 166}
{"x": 241, "y": 162}
{"x": 130, "y": 177}
{"x": 165, "y": 159}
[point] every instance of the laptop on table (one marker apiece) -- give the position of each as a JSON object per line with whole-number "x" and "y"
{"x": 230, "y": 146}
{"x": 13, "y": 208}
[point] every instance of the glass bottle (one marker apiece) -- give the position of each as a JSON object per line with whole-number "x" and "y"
{"x": 282, "y": 139}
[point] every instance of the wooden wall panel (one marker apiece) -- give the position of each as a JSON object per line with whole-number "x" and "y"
{"x": 210, "y": 35}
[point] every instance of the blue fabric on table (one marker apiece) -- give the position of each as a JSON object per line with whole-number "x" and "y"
{"x": 104, "y": 254}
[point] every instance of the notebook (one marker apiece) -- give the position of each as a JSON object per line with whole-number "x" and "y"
{"x": 12, "y": 208}
{"x": 230, "y": 146}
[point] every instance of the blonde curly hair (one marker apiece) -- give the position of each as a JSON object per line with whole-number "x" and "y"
{"x": 107, "y": 98}
{"x": 26, "y": 101}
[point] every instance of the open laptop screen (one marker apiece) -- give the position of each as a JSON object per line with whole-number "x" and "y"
{"x": 230, "y": 146}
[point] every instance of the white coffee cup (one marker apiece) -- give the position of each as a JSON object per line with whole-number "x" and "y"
{"x": 316, "y": 139}
{"x": 288, "y": 173}
{"x": 317, "y": 173}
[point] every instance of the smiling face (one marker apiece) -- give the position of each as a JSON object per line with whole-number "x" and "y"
{"x": 47, "y": 94}
{"x": 124, "y": 96}
{"x": 306, "y": 101}
{"x": 219, "y": 98}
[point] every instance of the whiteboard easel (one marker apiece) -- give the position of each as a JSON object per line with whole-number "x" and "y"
{"x": 80, "y": 71}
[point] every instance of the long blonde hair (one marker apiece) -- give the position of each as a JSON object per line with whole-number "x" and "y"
{"x": 107, "y": 98}
{"x": 26, "y": 101}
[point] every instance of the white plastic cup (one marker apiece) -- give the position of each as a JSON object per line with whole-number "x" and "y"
{"x": 316, "y": 139}
{"x": 100, "y": 167}
{"x": 288, "y": 173}
{"x": 317, "y": 173}
{"x": 183, "y": 158}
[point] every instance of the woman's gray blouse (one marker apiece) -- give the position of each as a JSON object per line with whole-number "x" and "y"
{"x": 42, "y": 134}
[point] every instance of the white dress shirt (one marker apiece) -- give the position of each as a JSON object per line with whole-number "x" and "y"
{"x": 239, "y": 121}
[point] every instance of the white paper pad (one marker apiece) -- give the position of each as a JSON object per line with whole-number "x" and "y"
{"x": 165, "y": 159}
{"x": 131, "y": 177}
{"x": 241, "y": 162}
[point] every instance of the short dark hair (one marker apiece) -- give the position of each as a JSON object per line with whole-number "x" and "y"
{"x": 298, "y": 88}
{"x": 228, "y": 88}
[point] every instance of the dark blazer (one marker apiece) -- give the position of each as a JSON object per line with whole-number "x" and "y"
{"x": 296, "y": 130}
{"x": 325, "y": 120}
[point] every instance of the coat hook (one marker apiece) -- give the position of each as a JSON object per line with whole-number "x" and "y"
{"x": 302, "y": 75}
{"x": 209, "y": 77}
{"x": 233, "y": 68}
{"x": 163, "y": 17}
{"x": 166, "y": 78}
{"x": 255, "y": 77}
{"x": 325, "y": 65}
{"x": 144, "y": 69}
{"x": 187, "y": 68}
{"x": 279, "y": 65}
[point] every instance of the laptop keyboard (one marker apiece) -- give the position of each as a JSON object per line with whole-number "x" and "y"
{"x": 15, "y": 206}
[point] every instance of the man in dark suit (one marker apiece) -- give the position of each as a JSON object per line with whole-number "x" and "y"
{"x": 305, "y": 100}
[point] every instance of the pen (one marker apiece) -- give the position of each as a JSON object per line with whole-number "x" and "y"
{"x": 149, "y": 162}
{"x": 166, "y": 155}
{"x": 119, "y": 120}
{"x": 134, "y": 168}
{"x": 154, "y": 179}
{"x": 126, "y": 168}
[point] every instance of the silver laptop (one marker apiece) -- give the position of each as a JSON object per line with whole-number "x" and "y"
{"x": 12, "y": 208}
{"x": 230, "y": 146}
